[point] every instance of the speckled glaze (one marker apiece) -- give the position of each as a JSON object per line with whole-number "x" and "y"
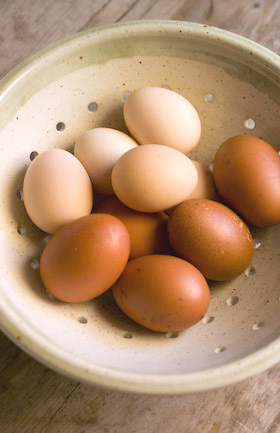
{"x": 229, "y": 80}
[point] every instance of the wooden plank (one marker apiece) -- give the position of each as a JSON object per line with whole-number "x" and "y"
{"x": 112, "y": 12}
{"x": 179, "y": 10}
{"x": 30, "y": 395}
{"x": 8, "y": 352}
{"x": 55, "y": 404}
{"x": 36, "y": 24}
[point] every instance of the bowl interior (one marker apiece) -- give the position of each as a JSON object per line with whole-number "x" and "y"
{"x": 80, "y": 84}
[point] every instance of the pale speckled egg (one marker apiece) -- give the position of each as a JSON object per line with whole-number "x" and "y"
{"x": 162, "y": 116}
{"x": 98, "y": 150}
{"x": 153, "y": 178}
{"x": 56, "y": 190}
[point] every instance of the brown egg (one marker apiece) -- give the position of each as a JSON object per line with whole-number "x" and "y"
{"x": 85, "y": 257}
{"x": 147, "y": 231}
{"x": 205, "y": 187}
{"x": 247, "y": 176}
{"x": 162, "y": 293}
{"x": 211, "y": 237}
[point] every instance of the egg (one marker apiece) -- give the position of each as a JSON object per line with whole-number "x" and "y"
{"x": 212, "y": 237}
{"x": 56, "y": 190}
{"x": 162, "y": 116}
{"x": 85, "y": 257}
{"x": 98, "y": 150}
{"x": 205, "y": 187}
{"x": 147, "y": 231}
{"x": 162, "y": 293}
{"x": 247, "y": 176}
{"x": 153, "y": 178}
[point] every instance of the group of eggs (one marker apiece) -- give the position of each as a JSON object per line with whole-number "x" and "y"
{"x": 163, "y": 224}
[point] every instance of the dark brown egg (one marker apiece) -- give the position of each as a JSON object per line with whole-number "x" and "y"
{"x": 211, "y": 237}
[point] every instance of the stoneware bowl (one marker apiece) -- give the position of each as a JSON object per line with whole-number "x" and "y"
{"x": 81, "y": 83}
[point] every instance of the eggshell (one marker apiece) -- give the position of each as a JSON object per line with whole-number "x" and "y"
{"x": 159, "y": 115}
{"x": 205, "y": 187}
{"x": 247, "y": 176}
{"x": 153, "y": 178}
{"x": 98, "y": 150}
{"x": 211, "y": 237}
{"x": 147, "y": 231}
{"x": 162, "y": 293}
{"x": 56, "y": 190}
{"x": 85, "y": 257}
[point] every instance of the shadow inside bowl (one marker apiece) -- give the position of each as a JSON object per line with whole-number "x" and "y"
{"x": 105, "y": 306}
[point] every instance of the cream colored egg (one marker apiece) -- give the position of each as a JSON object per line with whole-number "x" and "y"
{"x": 56, "y": 190}
{"x": 153, "y": 178}
{"x": 159, "y": 115}
{"x": 98, "y": 150}
{"x": 205, "y": 187}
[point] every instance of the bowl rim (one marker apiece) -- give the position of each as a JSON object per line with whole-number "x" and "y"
{"x": 51, "y": 355}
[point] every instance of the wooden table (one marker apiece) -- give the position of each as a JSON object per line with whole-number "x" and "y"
{"x": 33, "y": 398}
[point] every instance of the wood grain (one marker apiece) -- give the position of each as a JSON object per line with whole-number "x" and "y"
{"x": 35, "y": 399}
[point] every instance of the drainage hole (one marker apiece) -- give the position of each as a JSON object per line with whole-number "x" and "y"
{"x": 33, "y": 155}
{"x": 172, "y": 334}
{"x": 256, "y": 243}
{"x": 257, "y": 326}
{"x": 82, "y": 319}
{"x": 34, "y": 263}
{"x": 250, "y": 271}
{"x": 92, "y": 106}
{"x": 209, "y": 97}
{"x": 249, "y": 124}
{"x": 127, "y": 335}
{"x": 20, "y": 194}
{"x": 233, "y": 300}
{"x": 60, "y": 126}
{"x": 49, "y": 295}
{"x": 220, "y": 349}
{"x": 46, "y": 239}
{"x": 21, "y": 230}
{"x": 125, "y": 95}
{"x": 208, "y": 319}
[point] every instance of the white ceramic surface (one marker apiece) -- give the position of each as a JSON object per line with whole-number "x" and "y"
{"x": 229, "y": 80}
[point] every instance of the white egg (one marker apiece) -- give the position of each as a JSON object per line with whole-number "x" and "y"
{"x": 153, "y": 178}
{"x": 162, "y": 116}
{"x": 98, "y": 150}
{"x": 56, "y": 190}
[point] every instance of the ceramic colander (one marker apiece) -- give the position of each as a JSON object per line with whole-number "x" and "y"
{"x": 81, "y": 83}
